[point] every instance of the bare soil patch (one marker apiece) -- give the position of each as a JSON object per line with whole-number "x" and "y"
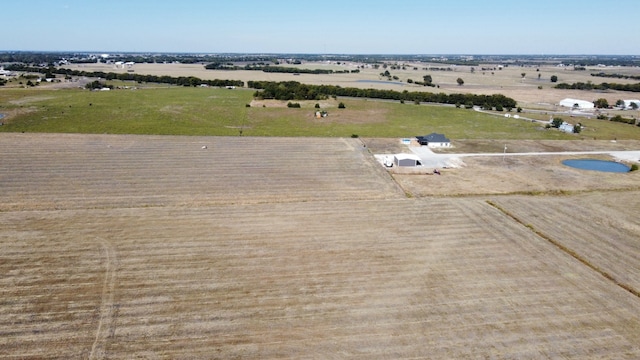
{"x": 155, "y": 247}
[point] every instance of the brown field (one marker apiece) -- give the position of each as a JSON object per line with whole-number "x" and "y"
{"x": 150, "y": 247}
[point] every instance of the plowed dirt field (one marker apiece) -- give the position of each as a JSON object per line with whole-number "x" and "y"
{"x": 151, "y": 247}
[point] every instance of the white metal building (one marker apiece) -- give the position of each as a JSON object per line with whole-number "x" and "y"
{"x": 581, "y": 104}
{"x": 407, "y": 160}
{"x": 627, "y": 104}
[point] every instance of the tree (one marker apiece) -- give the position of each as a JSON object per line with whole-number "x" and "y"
{"x": 577, "y": 128}
{"x": 341, "y": 106}
{"x": 554, "y": 78}
{"x": 427, "y": 79}
{"x": 601, "y": 103}
{"x": 620, "y": 103}
{"x": 460, "y": 81}
{"x": 634, "y": 105}
{"x": 523, "y": 75}
{"x": 556, "y": 122}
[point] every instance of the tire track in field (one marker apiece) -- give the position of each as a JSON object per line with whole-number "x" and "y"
{"x": 106, "y": 324}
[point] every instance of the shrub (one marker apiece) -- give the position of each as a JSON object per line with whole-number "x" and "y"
{"x": 634, "y": 167}
{"x": 293, "y": 105}
{"x": 341, "y": 106}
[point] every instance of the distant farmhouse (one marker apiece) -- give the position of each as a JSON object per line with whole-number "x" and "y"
{"x": 566, "y": 127}
{"x": 5, "y": 73}
{"x": 577, "y": 104}
{"x": 434, "y": 140}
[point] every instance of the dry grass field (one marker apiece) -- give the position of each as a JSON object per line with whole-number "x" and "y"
{"x": 151, "y": 247}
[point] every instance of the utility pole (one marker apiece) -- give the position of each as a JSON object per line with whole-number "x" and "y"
{"x": 504, "y": 155}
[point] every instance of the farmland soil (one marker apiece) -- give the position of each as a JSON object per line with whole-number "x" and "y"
{"x": 212, "y": 247}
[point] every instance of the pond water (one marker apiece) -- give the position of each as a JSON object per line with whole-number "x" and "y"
{"x": 597, "y": 165}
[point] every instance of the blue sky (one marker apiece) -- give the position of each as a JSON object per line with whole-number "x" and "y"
{"x": 328, "y": 26}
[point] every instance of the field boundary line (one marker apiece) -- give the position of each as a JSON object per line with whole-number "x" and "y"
{"x": 567, "y": 250}
{"x": 107, "y": 308}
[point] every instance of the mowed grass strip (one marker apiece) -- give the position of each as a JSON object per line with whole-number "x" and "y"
{"x": 223, "y": 112}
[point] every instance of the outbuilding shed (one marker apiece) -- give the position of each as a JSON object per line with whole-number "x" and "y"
{"x": 407, "y": 160}
{"x": 575, "y": 103}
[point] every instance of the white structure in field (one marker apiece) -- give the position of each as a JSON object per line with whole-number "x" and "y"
{"x": 628, "y": 106}
{"x": 566, "y": 127}
{"x": 407, "y": 160}
{"x": 577, "y": 104}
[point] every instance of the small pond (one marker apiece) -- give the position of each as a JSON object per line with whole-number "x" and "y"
{"x": 597, "y": 165}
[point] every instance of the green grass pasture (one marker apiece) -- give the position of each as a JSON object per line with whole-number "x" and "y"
{"x": 224, "y": 112}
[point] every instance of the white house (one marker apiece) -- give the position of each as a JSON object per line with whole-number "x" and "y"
{"x": 434, "y": 140}
{"x": 566, "y": 127}
{"x": 577, "y": 104}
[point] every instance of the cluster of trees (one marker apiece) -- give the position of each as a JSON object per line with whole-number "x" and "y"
{"x": 620, "y": 119}
{"x": 616, "y": 76}
{"x": 95, "y": 85}
{"x": 165, "y": 79}
{"x": 602, "y": 103}
{"x": 603, "y": 86}
{"x": 427, "y": 81}
{"x": 292, "y": 90}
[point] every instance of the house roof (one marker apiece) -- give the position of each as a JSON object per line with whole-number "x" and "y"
{"x": 407, "y": 157}
{"x": 434, "y": 137}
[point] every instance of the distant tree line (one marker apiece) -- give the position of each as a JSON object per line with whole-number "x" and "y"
{"x": 275, "y": 69}
{"x": 603, "y": 86}
{"x": 164, "y": 79}
{"x": 292, "y": 90}
{"x": 616, "y": 76}
{"x": 35, "y": 58}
